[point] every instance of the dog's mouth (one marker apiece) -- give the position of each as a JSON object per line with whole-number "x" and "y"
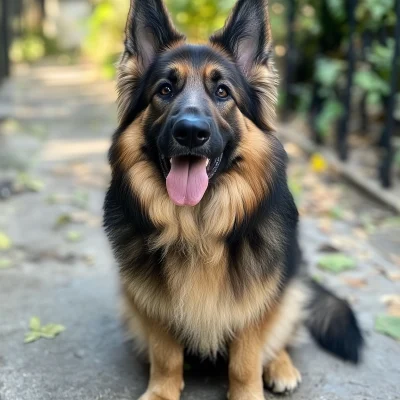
{"x": 188, "y": 176}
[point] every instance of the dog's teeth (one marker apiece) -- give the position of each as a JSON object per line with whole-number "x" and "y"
{"x": 208, "y": 162}
{"x": 170, "y": 160}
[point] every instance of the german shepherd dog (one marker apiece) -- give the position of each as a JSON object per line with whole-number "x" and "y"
{"x": 199, "y": 214}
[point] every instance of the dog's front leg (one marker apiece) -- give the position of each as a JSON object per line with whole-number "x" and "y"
{"x": 245, "y": 365}
{"x": 166, "y": 366}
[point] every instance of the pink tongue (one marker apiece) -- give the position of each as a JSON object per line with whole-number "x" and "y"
{"x": 187, "y": 181}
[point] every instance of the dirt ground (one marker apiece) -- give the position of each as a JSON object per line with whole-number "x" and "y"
{"x": 55, "y": 262}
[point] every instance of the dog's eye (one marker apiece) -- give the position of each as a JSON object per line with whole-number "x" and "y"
{"x": 165, "y": 90}
{"x": 222, "y": 92}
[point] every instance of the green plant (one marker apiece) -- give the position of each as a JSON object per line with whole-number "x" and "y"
{"x": 104, "y": 41}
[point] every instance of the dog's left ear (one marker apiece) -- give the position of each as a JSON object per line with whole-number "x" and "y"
{"x": 247, "y": 34}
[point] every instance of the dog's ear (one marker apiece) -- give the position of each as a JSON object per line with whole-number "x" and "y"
{"x": 149, "y": 30}
{"x": 247, "y": 34}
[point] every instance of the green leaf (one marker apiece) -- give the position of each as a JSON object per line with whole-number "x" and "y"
{"x": 50, "y": 331}
{"x": 5, "y": 263}
{"x": 30, "y": 183}
{"x": 330, "y": 112}
{"x": 5, "y": 241}
{"x": 328, "y": 71}
{"x": 336, "y": 263}
{"x": 371, "y": 82}
{"x": 34, "y": 324}
{"x": 337, "y": 8}
{"x": 32, "y": 337}
{"x": 74, "y": 236}
{"x": 388, "y": 325}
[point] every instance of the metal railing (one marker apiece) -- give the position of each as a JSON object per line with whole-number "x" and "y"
{"x": 385, "y": 142}
{"x": 4, "y": 38}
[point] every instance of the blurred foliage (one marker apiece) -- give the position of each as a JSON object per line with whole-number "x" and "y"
{"x": 104, "y": 41}
{"x": 32, "y": 46}
{"x": 321, "y": 42}
{"x": 197, "y": 19}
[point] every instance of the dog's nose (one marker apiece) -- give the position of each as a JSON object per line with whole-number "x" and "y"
{"x": 191, "y": 131}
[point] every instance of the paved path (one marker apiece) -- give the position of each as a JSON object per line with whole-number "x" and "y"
{"x": 62, "y": 270}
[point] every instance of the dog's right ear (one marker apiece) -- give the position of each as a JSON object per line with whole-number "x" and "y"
{"x": 149, "y": 30}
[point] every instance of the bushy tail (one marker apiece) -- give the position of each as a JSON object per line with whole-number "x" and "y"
{"x": 333, "y": 324}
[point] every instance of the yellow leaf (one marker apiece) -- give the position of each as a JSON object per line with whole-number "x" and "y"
{"x": 5, "y": 241}
{"x": 318, "y": 163}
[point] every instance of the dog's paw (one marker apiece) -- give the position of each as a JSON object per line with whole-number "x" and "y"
{"x": 150, "y": 395}
{"x": 281, "y": 376}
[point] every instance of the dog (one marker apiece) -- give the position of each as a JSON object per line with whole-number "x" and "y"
{"x": 199, "y": 214}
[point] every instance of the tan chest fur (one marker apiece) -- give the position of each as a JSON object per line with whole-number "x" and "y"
{"x": 197, "y": 299}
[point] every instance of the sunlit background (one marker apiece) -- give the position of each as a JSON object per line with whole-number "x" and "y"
{"x": 339, "y": 120}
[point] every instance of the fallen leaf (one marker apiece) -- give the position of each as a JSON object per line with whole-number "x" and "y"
{"x": 336, "y": 263}
{"x": 74, "y": 236}
{"x": 388, "y": 325}
{"x": 393, "y": 276}
{"x": 63, "y": 219}
{"x": 328, "y": 248}
{"x": 5, "y": 263}
{"x": 356, "y": 282}
{"x": 52, "y": 330}
{"x": 37, "y": 331}
{"x": 32, "y": 337}
{"x": 392, "y": 301}
{"x": 318, "y": 163}
{"x": 34, "y": 324}
{"x": 89, "y": 259}
{"x": 5, "y": 241}
{"x": 30, "y": 183}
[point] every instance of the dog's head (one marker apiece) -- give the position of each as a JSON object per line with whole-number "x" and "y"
{"x": 192, "y": 110}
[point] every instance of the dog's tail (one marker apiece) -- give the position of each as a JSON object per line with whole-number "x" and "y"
{"x": 333, "y": 324}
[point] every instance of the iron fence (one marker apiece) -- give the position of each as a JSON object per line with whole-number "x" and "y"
{"x": 355, "y": 53}
{"x": 4, "y": 39}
